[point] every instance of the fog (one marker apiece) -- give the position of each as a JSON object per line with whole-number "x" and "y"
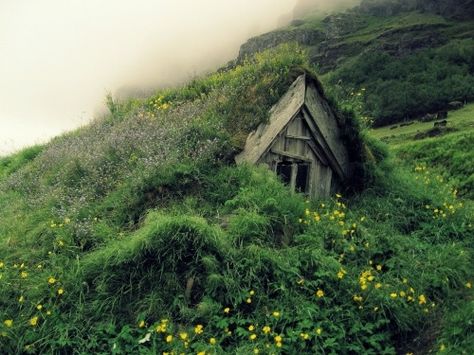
{"x": 304, "y": 6}
{"x": 59, "y": 58}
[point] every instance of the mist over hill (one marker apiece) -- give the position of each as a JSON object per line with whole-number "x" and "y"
{"x": 61, "y": 58}
{"x": 138, "y": 233}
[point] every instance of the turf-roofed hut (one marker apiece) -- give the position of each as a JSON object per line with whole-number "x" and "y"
{"x": 302, "y": 141}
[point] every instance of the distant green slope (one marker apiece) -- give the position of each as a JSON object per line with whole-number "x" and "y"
{"x": 451, "y": 153}
{"x": 409, "y": 63}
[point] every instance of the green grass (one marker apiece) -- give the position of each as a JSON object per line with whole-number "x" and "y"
{"x": 375, "y": 26}
{"x": 138, "y": 234}
{"x": 12, "y": 163}
{"x": 447, "y": 157}
{"x": 448, "y": 154}
{"x": 460, "y": 120}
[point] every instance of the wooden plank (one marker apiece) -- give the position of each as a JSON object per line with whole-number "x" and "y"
{"x": 323, "y": 144}
{"x": 302, "y": 138}
{"x": 327, "y": 125}
{"x": 280, "y": 142}
{"x": 259, "y": 142}
{"x": 290, "y": 155}
{"x": 318, "y": 152}
{"x": 294, "y": 171}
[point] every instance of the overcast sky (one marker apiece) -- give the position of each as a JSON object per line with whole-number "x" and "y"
{"x": 58, "y": 58}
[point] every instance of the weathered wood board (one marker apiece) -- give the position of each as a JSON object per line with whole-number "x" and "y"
{"x": 302, "y": 137}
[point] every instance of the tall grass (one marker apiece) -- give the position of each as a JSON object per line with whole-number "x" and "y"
{"x": 137, "y": 234}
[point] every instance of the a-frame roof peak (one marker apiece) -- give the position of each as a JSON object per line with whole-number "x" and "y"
{"x": 259, "y": 141}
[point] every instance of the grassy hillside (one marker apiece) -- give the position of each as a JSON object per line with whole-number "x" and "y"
{"x": 397, "y": 65}
{"x": 447, "y": 156}
{"x": 137, "y": 234}
{"x": 450, "y": 152}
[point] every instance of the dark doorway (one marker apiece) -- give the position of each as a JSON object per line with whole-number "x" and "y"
{"x": 301, "y": 183}
{"x": 284, "y": 172}
{"x": 294, "y": 174}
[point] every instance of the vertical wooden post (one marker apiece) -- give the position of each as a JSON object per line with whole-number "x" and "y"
{"x": 294, "y": 172}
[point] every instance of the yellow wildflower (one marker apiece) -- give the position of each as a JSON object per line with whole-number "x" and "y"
{"x": 60, "y": 291}
{"x": 276, "y": 314}
{"x": 378, "y": 285}
{"x": 212, "y": 341}
{"x": 319, "y": 331}
{"x": 278, "y": 339}
{"x": 251, "y": 328}
{"x": 304, "y": 336}
{"x": 141, "y": 324}
{"x": 357, "y": 298}
{"x": 23, "y": 274}
{"x": 8, "y": 323}
{"x": 319, "y": 293}
{"x": 227, "y": 310}
{"x": 39, "y": 307}
{"x": 1, "y": 264}
{"x": 421, "y": 299}
{"x": 252, "y": 292}
{"x": 34, "y": 321}
{"x": 183, "y": 335}
{"x": 468, "y": 285}
{"x": 393, "y": 295}
{"x": 253, "y": 336}
{"x": 161, "y": 328}
{"x": 266, "y": 329}
{"x": 169, "y": 338}
{"x": 51, "y": 280}
{"x": 248, "y": 300}
{"x": 198, "y": 329}
{"x": 21, "y": 299}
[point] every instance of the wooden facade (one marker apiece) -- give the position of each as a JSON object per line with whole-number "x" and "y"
{"x": 301, "y": 142}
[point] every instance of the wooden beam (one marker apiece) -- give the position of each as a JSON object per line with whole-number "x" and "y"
{"x": 294, "y": 172}
{"x": 321, "y": 140}
{"x": 318, "y": 152}
{"x": 290, "y": 155}
{"x": 302, "y": 138}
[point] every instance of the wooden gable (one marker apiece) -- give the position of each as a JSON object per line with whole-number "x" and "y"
{"x": 301, "y": 142}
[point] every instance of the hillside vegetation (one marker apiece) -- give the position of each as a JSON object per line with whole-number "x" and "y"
{"x": 446, "y": 156}
{"x": 138, "y": 234}
{"x": 450, "y": 151}
{"x": 399, "y": 59}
